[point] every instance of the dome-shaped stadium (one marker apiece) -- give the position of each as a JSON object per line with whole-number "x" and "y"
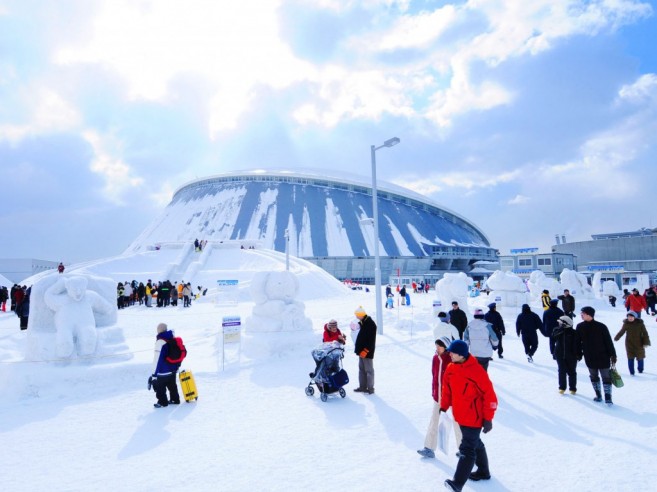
{"x": 327, "y": 220}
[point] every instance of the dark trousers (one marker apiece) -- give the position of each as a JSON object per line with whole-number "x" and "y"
{"x": 164, "y": 383}
{"x": 531, "y": 344}
{"x": 605, "y": 374}
{"x": 630, "y": 365}
{"x": 473, "y": 452}
{"x": 500, "y": 348}
{"x": 567, "y": 368}
{"x": 483, "y": 362}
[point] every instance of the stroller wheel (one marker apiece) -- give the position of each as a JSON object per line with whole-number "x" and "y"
{"x": 342, "y": 392}
{"x": 324, "y": 397}
{"x": 310, "y": 391}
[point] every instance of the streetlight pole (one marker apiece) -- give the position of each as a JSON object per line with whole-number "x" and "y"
{"x": 375, "y": 212}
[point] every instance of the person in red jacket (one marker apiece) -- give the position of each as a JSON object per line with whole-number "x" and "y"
{"x": 438, "y": 367}
{"x": 636, "y": 302}
{"x": 332, "y": 333}
{"x": 469, "y": 391}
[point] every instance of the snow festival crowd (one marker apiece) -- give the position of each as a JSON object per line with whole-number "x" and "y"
{"x": 464, "y": 348}
{"x": 165, "y": 293}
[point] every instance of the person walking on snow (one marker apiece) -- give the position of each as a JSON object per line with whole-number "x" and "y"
{"x": 599, "y": 352}
{"x": 481, "y": 339}
{"x": 636, "y": 302}
{"x": 164, "y": 372}
{"x": 528, "y": 323}
{"x": 564, "y": 346}
{"x": 545, "y": 299}
{"x": 364, "y": 347}
{"x": 550, "y": 317}
{"x": 567, "y": 303}
{"x": 495, "y": 319}
{"x": 443, "y": 328}
{"x": 469, "y": 391}
{"x": 438, "y": 367}
{"x": 458, "y": 318}
{"x": 636, "y": 340}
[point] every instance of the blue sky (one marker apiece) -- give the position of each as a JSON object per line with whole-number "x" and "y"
{"x": 528, "y": 118}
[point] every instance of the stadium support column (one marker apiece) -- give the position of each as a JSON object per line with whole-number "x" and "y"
{"x": 375, "y": 214}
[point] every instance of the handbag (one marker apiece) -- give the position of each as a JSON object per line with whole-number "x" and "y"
{"x": 444, "y": 428}
{"x": 616, "y": 379}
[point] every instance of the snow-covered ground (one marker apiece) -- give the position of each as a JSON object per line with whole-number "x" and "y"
{"x": 90, "y": 425}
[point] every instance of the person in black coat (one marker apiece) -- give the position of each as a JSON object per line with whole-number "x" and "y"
{"x": 458, "y": 318}
{"x": 599, "y": 353}
{"x": 567, "y": 303}
{"x": 495, "y": 319}
{"x": 550, "y": 317}
{"x": 528, "y": 323}
{"x": 564, "y": 345}
{"x": 23, "y": 311}
{"x": 364, "y": 346}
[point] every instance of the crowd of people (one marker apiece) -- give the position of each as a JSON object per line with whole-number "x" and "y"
{"x": 19, "y": 302}
{"x": 165, "y": 293}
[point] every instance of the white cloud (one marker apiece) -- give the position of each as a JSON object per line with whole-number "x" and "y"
{"x": 117, "y": 174}
{"x": 416, "y": 31}
{"x": 643, "y": 90}
{"x": 42, "y": 111}
{"x": 518, "y": 200}
{"x": 458, "y": 180}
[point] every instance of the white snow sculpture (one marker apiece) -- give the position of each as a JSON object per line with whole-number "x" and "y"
{"x": 75, "y": 309}
{"x": 453, "y": 287}
{"x": 507, "y": 289}
{"x": 610, "y": 288}
{"x": 576, "y": 283}
{"x": 275, "y": 307}
{"x": 538, "y": 282}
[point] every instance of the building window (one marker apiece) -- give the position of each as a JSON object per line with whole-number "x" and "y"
{"x": 524, "y": 262}
{"x": 506, "y": 262}
{"x": 544, "y": 261}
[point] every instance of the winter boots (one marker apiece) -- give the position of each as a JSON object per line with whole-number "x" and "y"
{"x": 607, "y": 387}
{"x": 597, "y": 389}
{"x": 426, "y": 453}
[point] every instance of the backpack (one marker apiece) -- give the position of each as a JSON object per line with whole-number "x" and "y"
{"x": 177, "y": 351}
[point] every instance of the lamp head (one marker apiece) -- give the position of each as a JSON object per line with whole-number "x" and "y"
{"x": 391, "y": 142}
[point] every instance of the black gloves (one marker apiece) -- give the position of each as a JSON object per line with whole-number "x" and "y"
{"x": 151, "y": 379}
{"x": 488, "y": 426}
{"x": 442, "y": 410}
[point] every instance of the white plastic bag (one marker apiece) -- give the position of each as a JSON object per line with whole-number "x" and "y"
{"x": 444, "y": 430}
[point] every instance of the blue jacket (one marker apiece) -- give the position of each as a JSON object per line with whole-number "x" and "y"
{"x": 162, "y": 367}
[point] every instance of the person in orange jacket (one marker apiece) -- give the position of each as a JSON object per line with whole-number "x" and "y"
{"x": 469, "y": 391}
{"x": 636, "y": 302}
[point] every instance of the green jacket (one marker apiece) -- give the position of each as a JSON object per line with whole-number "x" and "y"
{"x": 636, "y": 338}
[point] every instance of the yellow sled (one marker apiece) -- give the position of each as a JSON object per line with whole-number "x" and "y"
{"x": 188, "y": 385}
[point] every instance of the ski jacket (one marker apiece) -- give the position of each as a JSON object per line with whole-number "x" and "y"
{"x": 366, "y": 338}
{"x": 596, "y": 344}
{"x": 442, "y": 329}
{"x": 495, "y": 319}
{"x": 469, "y": 391}
{"x": 481, "y": 338}
{"x": 636, "y": 303}
{"x": 550, "y": 317}
{"x": 545, "y": 301}
{"x": 636, "y": 338}
{"x": 567, "y": 303}
{"x": 459, "y": 319}
{"x": 330, "y": 336}
{"x": 438, "y": 367}
{"x": 160, "y": 365}
{"x": 528, "y": 323}
{"x": 564, "y": 344}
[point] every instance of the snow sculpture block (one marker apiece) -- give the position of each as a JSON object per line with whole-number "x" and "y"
{"x": 66, "y": 312}
{"x": 507, "y": 289}
{"x": 538, "y": 282}
{"x": 453, "y": 287}
{"x": 576, "y": 283}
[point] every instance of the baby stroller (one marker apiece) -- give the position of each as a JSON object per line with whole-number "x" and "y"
{"x": 329, "y": 376}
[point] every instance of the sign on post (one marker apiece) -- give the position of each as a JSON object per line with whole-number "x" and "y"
{"x": 227, "y": 293}
{"x": 231, "y": 329}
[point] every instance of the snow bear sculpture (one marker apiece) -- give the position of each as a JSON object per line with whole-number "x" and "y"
{"x": 275, "y": 307}
{"x": 75, "y": 323}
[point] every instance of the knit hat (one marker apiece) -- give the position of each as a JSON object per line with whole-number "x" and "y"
{"x": 444, "y": 342}
{"x": 492, "y": 305}
{"x": 459, "y": 347}
{"x": 566, "y": 320}
{"x": 478, "y": 312}
{"x": 554, "y": 302}
{"x": 360, "y": 312}
{"x": 588, "y": 310}
{"x": 442, "y": 314}
{"x": 632, "y": 313}
{"x": 332, "y": 324}
{"x": 161, "y": 328}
